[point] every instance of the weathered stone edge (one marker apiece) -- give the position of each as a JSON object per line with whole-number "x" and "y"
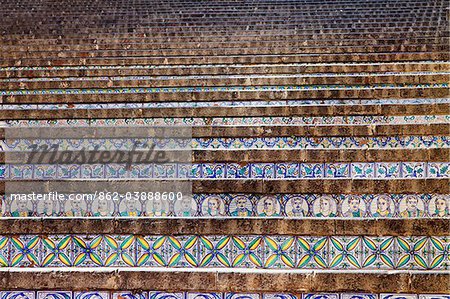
{"x": 225, "y": 281}
{"x": 227, "y": 226}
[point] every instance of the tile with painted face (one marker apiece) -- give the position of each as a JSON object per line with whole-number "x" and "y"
{"x": 439, "y": 206}
{"x": 157, "y": 208}
{"x": 241, "y": 206}
{"x": 75, "y": 207}
{"x": 48, "y": 208}
{"x": 185, "y": 207}
{"x": 382, "y": 206}
{"x": 102, "y": 208}
{"x": 213, "y": 205}
{"x": 411, "y": 206}
{"x": 268, "y": 206}
{"x": 353, "y": 207}
{"x": 296, "y": 206}
{"x": 325, "y": 206}
{"x": 130, "y": 208}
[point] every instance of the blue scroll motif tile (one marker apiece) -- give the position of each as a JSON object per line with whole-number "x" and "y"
{"x": 17, "y": 295}
{"x": 53, "y": 295}
{"x": 321, "y": 296}
{"x": 164, "y": 295}
{"x": 91, "y": 295}
{"x": 398, "y": 296}
{"x": 241, "y": 296}
{"x": 129, "y": 295}
{"x": 359, "y": 296}
{"x": 434, "y": 296}
{"x": 204, "y": 296}
{"x": 278, "y": 296}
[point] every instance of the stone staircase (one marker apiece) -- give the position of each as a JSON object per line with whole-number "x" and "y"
{"x": 319, "y": 146}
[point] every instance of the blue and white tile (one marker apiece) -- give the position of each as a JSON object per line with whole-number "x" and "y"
{"x": 241, "y": 296}
{"x": 434, "y": 296}
{"x": 17, "y": 295}
{"x": 398, "y": 296}
{"x": 53, "y": 295}
{"x": 129, "y": 295}
{"x": 204, "y": 296}
{"x": 358, "y": 296}
{"x": 164, "y": 295}
{"x": 91, "y": 295}
{"x": 278, "y": 296}
{"x": 414, "y": 169}
{"x": 321, "y": 296}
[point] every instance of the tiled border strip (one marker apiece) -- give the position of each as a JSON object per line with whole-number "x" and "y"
{"x": 280, "y": 143}
{"x": 30, "y": 294}
{"x": 77, "y": 91}
{"x": 195, "y": 171}
{"x": 356, "y": 206}
{"x": 226, "y": 251}
{"x": 244, "y": 121}
{"x": 115, "y": 67}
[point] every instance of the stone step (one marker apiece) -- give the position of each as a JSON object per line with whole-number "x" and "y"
{"x": 265, "y": 156}
{"x": 268, "y": 186}
{"x": 274, "y": 50}
{"x": 229, "y": 93}
{"x": 273, "y": 131}
{"x": 300, "y": 40}
{"x": 214, "y": 280}
{"x": 307, "y": 34}
{"x": 234, "y": 59}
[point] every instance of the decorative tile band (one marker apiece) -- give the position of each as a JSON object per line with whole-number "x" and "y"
{"x": 76, "y": 91}
{"x": 266, "y": 120}
{"x": 30, "y": 294}
{"x": 206, "y": 77}
{"x": 214, "y": 251}
{"x": 212, "y": 104}
{"x": 197, "y": 66}
{"x": 243, "y": 205}
{"x": 376, "y": 170}
{"x": 381, "y": 142}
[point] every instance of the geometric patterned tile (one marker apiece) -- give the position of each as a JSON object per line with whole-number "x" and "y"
{"x": 378, "y": 252}
{"x": 346, "y": 252}
{"x": 412, "y": 252}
